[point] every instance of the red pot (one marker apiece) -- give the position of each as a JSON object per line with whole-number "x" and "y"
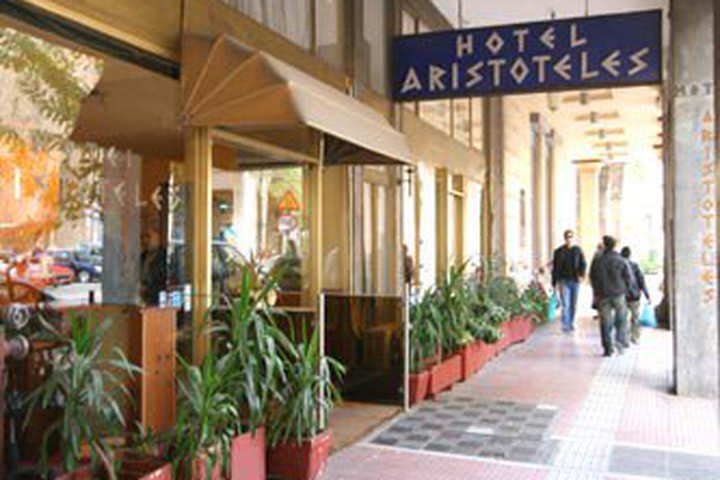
{"x": 304, "y": 461}
{"x": 247, "y": 456}
{"x": 446, "y": 374}
{"x": 474, "y": 357}
{"x": 199, "y": 469}
{"x": 507, "y": 336}
{"x": 419, "y": 383}
{"x": 83, "y": 473}
{"x": 144, "y": 469}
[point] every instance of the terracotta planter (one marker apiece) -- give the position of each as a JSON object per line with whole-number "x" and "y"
{"x": 474, "y": 357}
{"x": 446, "y": 374}
{"x": 304, "y": 461}
{"x": 486, "y": 352}
{"x": 130, "y": 469}
{"x": 83, "y": 473}
{"x": 247, "y": 456}
{"x": 507, "y": 336}
{"x": 144, "y": 469}
{"x": 419, "y": 383}
{"x": 199, "y": 469}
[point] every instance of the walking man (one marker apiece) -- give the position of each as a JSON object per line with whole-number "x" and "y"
{"x": 568, "y": 269}
{"x": 633, "y": 296}
{"x": 610, "y": 277}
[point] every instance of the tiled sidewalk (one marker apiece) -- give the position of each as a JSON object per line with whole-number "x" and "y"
{"x": 550, "y": 409}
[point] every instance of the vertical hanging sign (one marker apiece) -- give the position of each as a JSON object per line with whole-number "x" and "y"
{"x": 600, "y": 51}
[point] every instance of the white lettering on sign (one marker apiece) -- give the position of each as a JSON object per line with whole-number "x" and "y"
{"x": 464, "y": 45}
{"x": 412, "y": 82}
{"x": 585, "y": 72}
{"x": 575, "y": 40}
{"x": 541, "y": 61}
{"x": 612, "y": 63}
{"x": 474, "y": 72}
{"x": 495, "y": 43}
{"x": 640, "y": 64}
{"x": 548, "y": 38}
{"x": 519, "y": 71}
{"x": 496, "y": 64}
{"x": 520, "y": 36}
{"x": 436, "y": 74}
{"x": 455, "y": 75}
{"x": 563, "y": 67}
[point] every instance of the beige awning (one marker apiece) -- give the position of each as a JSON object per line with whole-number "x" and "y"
{"x": 226, "y": 84}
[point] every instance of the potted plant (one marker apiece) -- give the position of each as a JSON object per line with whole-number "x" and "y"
{"x": 251, "y": 341}
{"x": 298, "y": 435}
{"x": 91, "y": 390}
{"x": 424, "y": 345}
{"x": 455, "y": 305}
{"x": 200, "y": 443}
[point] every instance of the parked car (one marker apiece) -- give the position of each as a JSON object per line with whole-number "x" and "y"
{"x": 85, "y": 267}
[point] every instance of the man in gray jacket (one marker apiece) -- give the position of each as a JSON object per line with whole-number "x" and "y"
{"x": 610, "y": 277}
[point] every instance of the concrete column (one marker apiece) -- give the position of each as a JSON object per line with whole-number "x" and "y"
{"x": 536, "y": 197}
{"x": 616, "y": 179}
{"x": 495, "y": 179}
{"x": 550, "y": 191}
{"x": 588, "y": 220}
{"x": 694, "y": 299}
{"x": 604, "y": 183}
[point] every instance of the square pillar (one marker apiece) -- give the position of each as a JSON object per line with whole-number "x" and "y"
{"x": 691, "y": 194}
{"x": 198, "y": 160}
{"x": 588, "y": 221}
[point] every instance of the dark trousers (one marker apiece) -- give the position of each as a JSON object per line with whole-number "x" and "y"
{"x": 613, "y": 314}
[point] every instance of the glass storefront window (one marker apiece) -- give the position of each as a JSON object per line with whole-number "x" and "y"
{"x": 289, "y": 18}
{"x": 257, "y": 219}
{"x": 328, "y": 35}
{"x": 461, "y": 121}
{"x": 477, "y": 123}
{"x": 437, "y": 114}
{"x": 371, "y": 54}
{"x": 409, "y": 27}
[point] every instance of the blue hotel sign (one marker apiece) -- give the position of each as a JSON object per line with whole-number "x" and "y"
{"x": 587, "y": 52}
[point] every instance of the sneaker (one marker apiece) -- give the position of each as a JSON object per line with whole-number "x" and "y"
{"x": 607, "y": 354}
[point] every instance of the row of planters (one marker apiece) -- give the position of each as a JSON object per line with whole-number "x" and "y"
{"x": 255, "y": 406}
{"x": 461, "y": 324}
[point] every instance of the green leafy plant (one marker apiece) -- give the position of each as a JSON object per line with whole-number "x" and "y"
{"x": 425, "y": 321}
{"x": 91, "y": 389}
{"x": 248, "y": 336}
{"x": 207, "y": 414}
{"x": 455, "y": 302}
{"x": 308, "y": 392}
{"x": 534, "y": 301}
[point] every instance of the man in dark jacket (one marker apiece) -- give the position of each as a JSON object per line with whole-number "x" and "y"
{"x": 569, "y": 267}
{"x": 633, "y": 297}
{"x": 611, "y": 278}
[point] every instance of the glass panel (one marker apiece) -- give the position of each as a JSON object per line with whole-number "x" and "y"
{"x": 258, "y": 218}
{"x": 461, "y": 120}
{"x": 436, "y": 113}
{"x": 451, "y": 237}
{"x": 68, "y": 229}
{"x": 290, "y": 18}
{"x": 383, "y": 252}
{"x": 477, "y": 123}
{"x": 372, "y": 48}
{"x": 329, "y": 36}
{"x": 368, "y": 244}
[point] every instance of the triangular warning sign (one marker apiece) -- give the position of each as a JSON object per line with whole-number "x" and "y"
{"x": 708, "y": 117}
{"x": 288, "y": 202}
